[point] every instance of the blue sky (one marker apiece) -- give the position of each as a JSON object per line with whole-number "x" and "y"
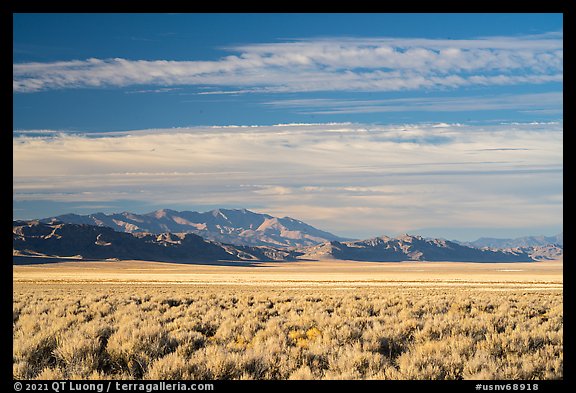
{"x": 362, "y": 124}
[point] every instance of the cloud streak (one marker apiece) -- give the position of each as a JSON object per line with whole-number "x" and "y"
{"x": 337, "y": 64}
{"x": 538, "y": 101}
{"x": 341, "y": 177}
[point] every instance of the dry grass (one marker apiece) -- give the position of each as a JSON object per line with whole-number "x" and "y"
{"x": 236, "y": 332}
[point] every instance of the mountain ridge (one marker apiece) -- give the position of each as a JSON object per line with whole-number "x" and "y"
{"x": 411, "y": 247}
{"x": 231, "y": 226}
{"x": 82, "y": 241}
{"x": 524, "y": 241}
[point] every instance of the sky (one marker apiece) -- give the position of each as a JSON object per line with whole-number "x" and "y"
{"x": 443, "y": 125}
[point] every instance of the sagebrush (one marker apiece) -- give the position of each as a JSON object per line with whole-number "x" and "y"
{"x": 233, "y": 332}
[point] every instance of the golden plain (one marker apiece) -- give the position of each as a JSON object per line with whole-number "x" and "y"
{"x": 297, "y": 320}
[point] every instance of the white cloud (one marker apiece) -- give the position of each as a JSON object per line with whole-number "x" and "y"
{"x": 337, "y": 64}
{"x": 340, "y": 177}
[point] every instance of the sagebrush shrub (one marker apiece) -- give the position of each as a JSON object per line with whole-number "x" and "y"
{"x": 235, "y": 332}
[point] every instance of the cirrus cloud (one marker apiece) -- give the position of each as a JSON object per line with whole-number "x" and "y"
{"x": 337, "y": 64}
{"x": 551, "y": 102}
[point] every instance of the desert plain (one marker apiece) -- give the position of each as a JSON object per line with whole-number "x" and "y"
{"x": 325, "y": 319}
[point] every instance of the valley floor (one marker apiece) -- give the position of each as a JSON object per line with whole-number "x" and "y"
{"x": 299, "y": 320}
{"x": 533, "y": 275}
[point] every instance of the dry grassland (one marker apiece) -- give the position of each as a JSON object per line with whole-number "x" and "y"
{"x": 143, "y": 329}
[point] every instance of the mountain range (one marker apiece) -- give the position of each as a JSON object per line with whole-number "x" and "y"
{"x": 82, "y": 241}
{"x": 410, "y": 247}
{"x": 526, "y": 241}
{"x": 240, "y": 234}
{"x": 232, "y": 226}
